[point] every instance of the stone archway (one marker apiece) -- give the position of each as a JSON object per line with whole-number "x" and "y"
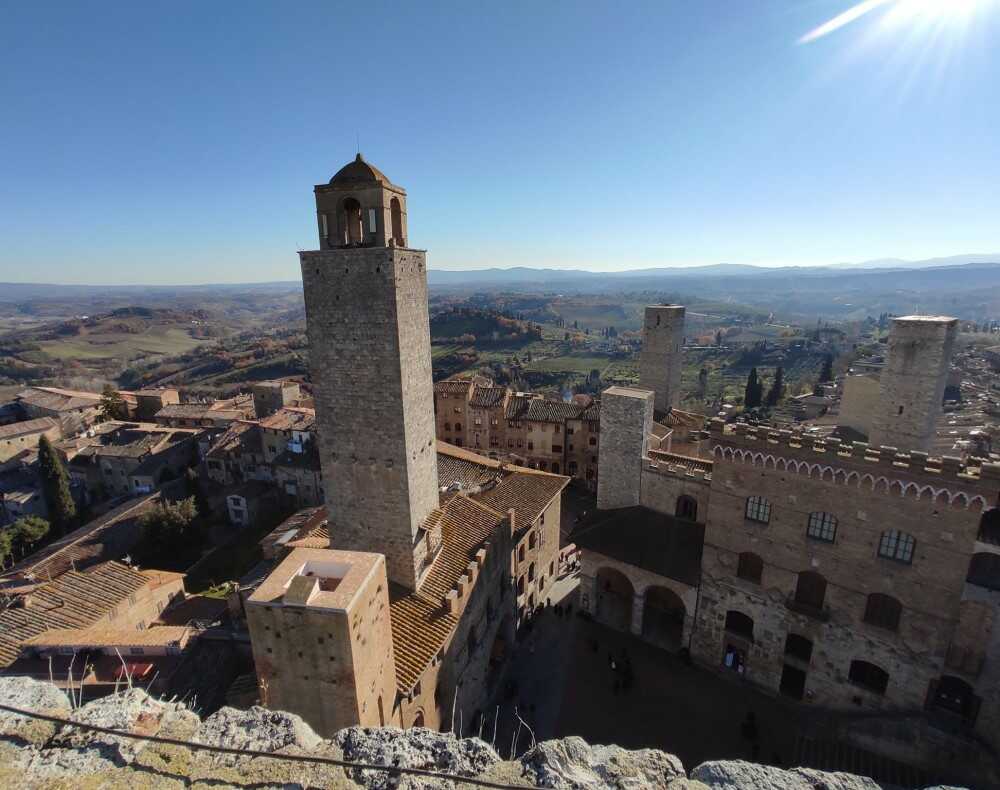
{"x": 614, "y": 599}
{"x": 663, "y": 616}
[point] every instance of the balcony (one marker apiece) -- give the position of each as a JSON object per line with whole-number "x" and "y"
{"x": 820, "y": 613}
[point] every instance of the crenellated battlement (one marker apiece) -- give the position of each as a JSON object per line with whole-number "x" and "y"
{"x": 693, "y": 470}
{"x": 946, "y": 480}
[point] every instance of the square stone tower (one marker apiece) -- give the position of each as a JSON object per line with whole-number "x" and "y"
{"x": 322, "y": 639}
{"x": 626, "y": 423}
{"x": 370, "y": 361}
{"x": 662, "y": 358}
{"x": 912, "y": 384}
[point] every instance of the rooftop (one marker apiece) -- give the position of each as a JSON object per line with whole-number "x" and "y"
{"x": 323, "y": 578}
{"x": 26, "y": 427}
{"x": 358, "y": 172}
{"x": 290, "y": 419}
{"x": 107, "y": 636}
{"x": 487, "y": 397}
{"x": 56, "y": 399}
{"x": 73, "y": 600}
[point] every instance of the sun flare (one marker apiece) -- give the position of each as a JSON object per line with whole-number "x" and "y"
{"x": 897, "y": 13}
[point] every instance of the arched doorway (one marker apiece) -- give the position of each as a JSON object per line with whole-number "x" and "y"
{"x": 663, "y": 615}
{"x": 418, "y": 719}
{"x": 614, "y": 599}
{"x": 353, "y": 232}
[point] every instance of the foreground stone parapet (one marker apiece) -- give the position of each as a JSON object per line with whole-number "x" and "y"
{"x": 39, "y": 755}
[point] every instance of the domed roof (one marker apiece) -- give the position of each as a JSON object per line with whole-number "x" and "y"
{"x": 358, "y": 172}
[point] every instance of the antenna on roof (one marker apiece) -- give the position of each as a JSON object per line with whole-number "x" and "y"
{"x": 357, "y": 139}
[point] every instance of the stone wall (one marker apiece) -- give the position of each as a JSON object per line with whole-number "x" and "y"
{"x": 370, "y": 361}
{"x": 661, "y": 359}
{"x": 913, "y": 381}
{"x": 626, "y": 423}
{"x": 36, "y": 754}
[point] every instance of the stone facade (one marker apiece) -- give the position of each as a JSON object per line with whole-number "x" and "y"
{"x": 859, "y": 402}
{"x": 842, "y": 575}
{"x": 370, "y": 360}
{"x": 627, "y": 417}
{"x": 913, "y": 381}
{"x": 661, "y": 360}
{"x": 322, "y": 638}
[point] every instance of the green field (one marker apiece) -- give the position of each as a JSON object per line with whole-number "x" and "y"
{"x": 121, "y": 345}
{"x": 569, "y": 364}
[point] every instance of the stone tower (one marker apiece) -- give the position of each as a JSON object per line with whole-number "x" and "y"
{"x": 912, "y": 383}
{"x": 661, "y": 359}
{"x": 370, "y": 360}
{"x": 626, "y": 423}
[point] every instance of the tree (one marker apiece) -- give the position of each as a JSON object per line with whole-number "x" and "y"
{"x": 777, "y": 388}
{"x": 754, "y": 389}
{"x": 28, "y": 530}
{"x": 6, "y": 546}
{"x": 826, "y": 373}
{"x": 169, "y": 531}
{"x": 55, "y": 487}
{"x": 112, "y": 405}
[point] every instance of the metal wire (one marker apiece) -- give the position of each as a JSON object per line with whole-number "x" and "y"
{"x": 301, "y": 758}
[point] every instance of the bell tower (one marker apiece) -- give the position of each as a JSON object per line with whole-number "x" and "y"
{"x": 360, "y": 207}
{"x": 370, "y": 362}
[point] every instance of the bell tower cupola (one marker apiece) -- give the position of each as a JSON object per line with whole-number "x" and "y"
{"x": 360, "y": 207}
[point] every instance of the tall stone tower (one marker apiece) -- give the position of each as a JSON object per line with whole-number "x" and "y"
{"x": 912, "y": 384}
{"x": 661, "y": 359}
{"x": 370, "y": 360}
{"x": 626, "y": 423}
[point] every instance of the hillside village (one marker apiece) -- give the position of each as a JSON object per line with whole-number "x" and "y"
{"x": 382, "y": 546}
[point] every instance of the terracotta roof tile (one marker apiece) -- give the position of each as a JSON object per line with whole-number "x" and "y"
{"x": 74, "y": 600}
{"x": 421, "y": 625}
{"x": 488, "y": 397}
{"x": 542, "y": 410}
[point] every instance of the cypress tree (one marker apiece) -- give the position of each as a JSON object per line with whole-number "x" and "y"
{"x": 752, "y": 393}
{"x": 826, "y": 374}
{"x": 55, "y": 487}
{"x": 777, "y": 386}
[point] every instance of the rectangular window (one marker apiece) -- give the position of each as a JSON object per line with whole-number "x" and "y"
{"x": 822, "y": 526}
{"x": 323, "y": 222}
{"x": 371, "y": 220}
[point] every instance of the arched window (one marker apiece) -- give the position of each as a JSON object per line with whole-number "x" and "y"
{"x": 531, "y": 572}
{"x": 989, "y": 526}
{"x": 520, "y": 553}
{"x": 798, "y": 647}
{"x": 750, "y": 567}
{"x": 822, "y": 526}
{"x": 984, "y": 571}
{"x": 896, "y": 545}
{"x": 532, "y": 539}
{"x": 868, "y": 676}
{"x": 758, "y": 509}
{"x": 458, "y": 426}
{"x": 396, "y": 212}
{"x": 351, "y": 214}
{"x": 418, "y": 719}
{"x": 687, "y": 508}
{"x": 883, "y": 611}
{"x": 739, "y": 624}
{"x": 810, "y": 590}
{"x": 447, "y": 426}
{"x": 955, "y": 695}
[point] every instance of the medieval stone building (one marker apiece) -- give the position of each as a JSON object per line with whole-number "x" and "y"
{"x": 848, "y": 576}
{"x": 435, "y": 553}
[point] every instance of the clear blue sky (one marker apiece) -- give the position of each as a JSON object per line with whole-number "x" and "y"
{"x": 179, "y": 142}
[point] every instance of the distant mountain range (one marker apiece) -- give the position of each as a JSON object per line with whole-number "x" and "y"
{"x": 523, "y": 275}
